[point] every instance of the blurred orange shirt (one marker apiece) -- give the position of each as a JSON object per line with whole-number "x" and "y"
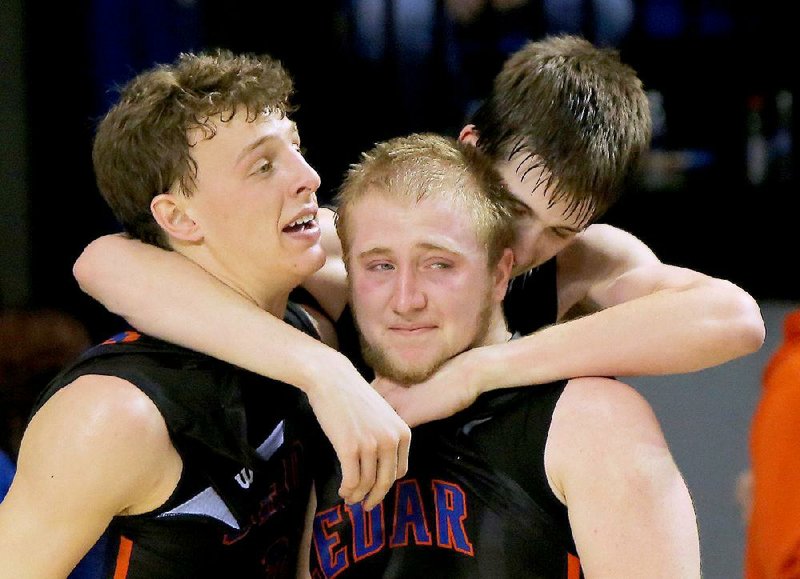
{"x": 773, "y": 537}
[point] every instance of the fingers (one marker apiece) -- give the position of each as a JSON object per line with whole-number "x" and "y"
{"x": 392, "y": 465}
{"x": 368, "y": 474}
{"x": 351, "y": 475}
{"x": 369, "y": 468}
{"x": 402, "y": 454}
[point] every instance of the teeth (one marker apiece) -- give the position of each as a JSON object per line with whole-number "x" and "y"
{"x": 302, "y": 220}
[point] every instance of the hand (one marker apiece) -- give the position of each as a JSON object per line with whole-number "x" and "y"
{"x": 370, "y": 440}
{"x": 453, "y": 387}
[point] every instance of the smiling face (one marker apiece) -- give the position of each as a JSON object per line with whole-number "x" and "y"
{"x": 422, "y": 290}
{"x": 255, "y": 204}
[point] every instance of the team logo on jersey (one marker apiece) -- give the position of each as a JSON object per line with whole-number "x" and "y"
{"x": 346, "y": 534}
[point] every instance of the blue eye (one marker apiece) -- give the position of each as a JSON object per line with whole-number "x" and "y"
{"x": 382, "y": 266}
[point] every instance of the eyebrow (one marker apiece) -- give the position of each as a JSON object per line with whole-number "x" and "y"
{"x": 568, "y": 228}
{"x": 292, "y": 132}
{"x": 377, "y": 251}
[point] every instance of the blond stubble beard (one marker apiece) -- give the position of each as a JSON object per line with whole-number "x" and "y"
{"x": 381, "y": 363}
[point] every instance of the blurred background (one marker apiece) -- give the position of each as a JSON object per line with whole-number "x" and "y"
{"x": 718, "y": 192}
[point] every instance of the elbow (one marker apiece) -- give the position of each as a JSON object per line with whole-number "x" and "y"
{"x": 97, "y": 272}
{"x": 742, "y": 318}
{"x": 84, "y": 268}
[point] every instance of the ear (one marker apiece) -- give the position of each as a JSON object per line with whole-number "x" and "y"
{"x": 502, "y": 274}
{"x": 469, "y": 135}
{"x": 172, "y": 217}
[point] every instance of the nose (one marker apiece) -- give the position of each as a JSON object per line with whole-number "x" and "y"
{"x": 308, "y": 178}
{"x": 408, "y": 295}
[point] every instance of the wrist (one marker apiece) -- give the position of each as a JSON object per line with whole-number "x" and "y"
{"x": 487, "y": 368}
{"x": 325, "y": 368}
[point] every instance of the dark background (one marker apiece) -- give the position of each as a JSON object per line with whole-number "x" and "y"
{"x": 711, "y": 63}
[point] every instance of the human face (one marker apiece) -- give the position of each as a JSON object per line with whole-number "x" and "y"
{"x": 547, "y": 227}
{"x": 544, "y": 228}
{"x": 255, "y": 204}
{"x": 421, "y": 288}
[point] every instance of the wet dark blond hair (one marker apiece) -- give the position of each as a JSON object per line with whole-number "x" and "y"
{"x": 422, "y": 166}
{"x": 574, "y": 109}
{"x": 142, "y": 148}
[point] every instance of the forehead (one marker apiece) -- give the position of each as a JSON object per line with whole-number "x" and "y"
{"x": 531, "y": 183}
{"x": 377, "y": 221}
{"x": 240, "y": 131}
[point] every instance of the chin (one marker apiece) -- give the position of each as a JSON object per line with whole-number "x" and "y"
{"x": 312, "y": 261}
{"x": 408, "y": 370}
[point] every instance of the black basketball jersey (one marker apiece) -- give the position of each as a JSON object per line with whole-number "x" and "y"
{"x": 531, "y": 303}
{"x": 475, "y": 502}
{"x": 238, "y": 509}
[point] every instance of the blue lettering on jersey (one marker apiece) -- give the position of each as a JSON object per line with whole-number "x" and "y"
{"x": 340, "y": 541}
{"x": 409, "y": 515}
{"x": 332, "y": 558}
{"x": 451, "y": 512}
{"x": 368, "y": 532}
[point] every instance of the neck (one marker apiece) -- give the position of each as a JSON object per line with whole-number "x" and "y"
{"x": 497, "y": 333}
{"x": 269, "y": 293}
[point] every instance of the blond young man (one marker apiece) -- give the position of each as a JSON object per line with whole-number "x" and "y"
{"x": 530, "y": 482}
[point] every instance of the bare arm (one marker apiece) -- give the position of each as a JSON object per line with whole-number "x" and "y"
{"x": 165, "y": 295}
{"x": 638, "y": 316}
{"x": 60, "y": 501}
{"x": 629, "y": 508}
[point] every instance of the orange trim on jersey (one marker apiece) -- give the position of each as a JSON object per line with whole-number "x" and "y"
{"x": 123, "y": 558}
{"x": 573, "y": 567}
{"x": 123, "y": 338}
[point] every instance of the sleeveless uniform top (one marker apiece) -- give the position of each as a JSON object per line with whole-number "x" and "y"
{"x": 530, "y": 304}
{"x": 239, "y": 507}
{"x": 475, "y": 503}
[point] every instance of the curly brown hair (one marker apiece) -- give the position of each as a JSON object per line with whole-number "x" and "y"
{"x": 142, "y": 149}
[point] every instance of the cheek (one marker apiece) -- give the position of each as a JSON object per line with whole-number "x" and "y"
{"x": 367, "y": 293}
{"x": 527, "y": 243}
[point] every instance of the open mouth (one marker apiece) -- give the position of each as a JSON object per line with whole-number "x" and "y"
{"x": 305, "y": 223}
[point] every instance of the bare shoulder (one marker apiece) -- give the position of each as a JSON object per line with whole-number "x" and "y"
{"x": 601, "y": 427}
{"x": 593, "y": 262}
{"x": 101, "y": 403}
{"x": 607, "y": 243}
{"x": 99, "y": 427}
{"x": 603, "y": 402}
{"x": 97, "y": 449}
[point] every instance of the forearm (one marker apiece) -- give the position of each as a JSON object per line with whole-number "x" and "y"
{"x": 666, "y": 332}
{"x": 165, "y": 295}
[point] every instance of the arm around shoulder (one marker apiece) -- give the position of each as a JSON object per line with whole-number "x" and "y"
{"x": 664, "y": 319}
{"x": 629, "y": 508}
{"x": 163, "y": 294}
{"x": 98, "y": 448}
